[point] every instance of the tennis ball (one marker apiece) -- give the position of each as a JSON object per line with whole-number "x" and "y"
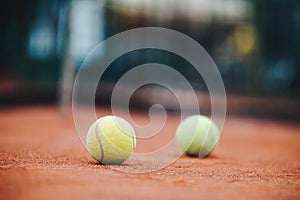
{"x": 111, "y": 140}
{"x": 197, "y": 135}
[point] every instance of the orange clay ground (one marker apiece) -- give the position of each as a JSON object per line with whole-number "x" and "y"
{"x": 41, "y": 157}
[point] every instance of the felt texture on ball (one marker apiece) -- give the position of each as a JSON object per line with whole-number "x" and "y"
{"x": 111, "y": 140}
{"x": 197, "y": 135}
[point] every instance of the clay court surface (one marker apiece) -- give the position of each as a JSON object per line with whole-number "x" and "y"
{"x": 41, "y": 157}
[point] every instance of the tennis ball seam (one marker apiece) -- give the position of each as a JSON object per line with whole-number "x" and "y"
{"x": 211, "y": 126}
{"x": 125, "y": 132}
{"x": 194, "y": 137}
{"x": 133, "y": 138}
{"x": 110, "y": 141}
{"x": 206, "y": 135}
{"x": 106, "y": 134}
{"x": 195, "y": 134}
{"x": 99, "y": 142}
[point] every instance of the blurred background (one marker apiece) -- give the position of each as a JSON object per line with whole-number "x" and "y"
{"x": 255, "y": 44}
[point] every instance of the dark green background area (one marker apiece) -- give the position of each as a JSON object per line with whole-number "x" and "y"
{"x": 263, "y": 73}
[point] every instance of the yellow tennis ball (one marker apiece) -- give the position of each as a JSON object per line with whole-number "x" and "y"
{"x": 197, "y": 135}
{"x": 111, "y": 140}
